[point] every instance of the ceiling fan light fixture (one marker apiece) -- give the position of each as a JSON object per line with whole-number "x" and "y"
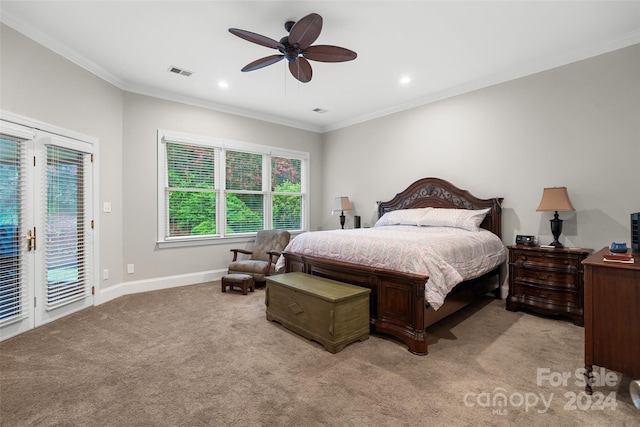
{"x": 291, "y": 54}
{"x": 296, "y": 48}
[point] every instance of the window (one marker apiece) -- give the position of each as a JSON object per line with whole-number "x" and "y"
{"x": 190, "y": 191}
{"x": 211, "y": 189}
{"x": 244, "y": 193}
{"x": 286, "y": 185}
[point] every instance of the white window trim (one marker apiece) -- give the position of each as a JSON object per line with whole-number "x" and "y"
{"x": 224, "y": 145}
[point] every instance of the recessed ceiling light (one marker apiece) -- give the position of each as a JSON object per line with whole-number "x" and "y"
{"x": 405, "y": 80}
{"x": 223, "y": 84}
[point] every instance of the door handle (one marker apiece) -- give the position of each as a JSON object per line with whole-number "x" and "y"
{"x": 31, "y": 240}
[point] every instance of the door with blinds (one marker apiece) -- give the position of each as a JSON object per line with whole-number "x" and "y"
{"x": 46, "y": 235}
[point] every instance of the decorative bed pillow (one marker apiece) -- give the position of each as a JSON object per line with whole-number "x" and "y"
{"x": 402, "y": 217}
{"x": 467, "y": 219}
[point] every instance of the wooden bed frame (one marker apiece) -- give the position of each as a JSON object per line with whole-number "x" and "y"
{"x": 397, "y": 305}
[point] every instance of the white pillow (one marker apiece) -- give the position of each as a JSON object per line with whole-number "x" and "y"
{"x": 467, "y": 219}
{"x": 402, "y": 217}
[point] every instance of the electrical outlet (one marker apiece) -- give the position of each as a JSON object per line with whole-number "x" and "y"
{"x": 130, "y": 269}
{"x": 105, "y": 274}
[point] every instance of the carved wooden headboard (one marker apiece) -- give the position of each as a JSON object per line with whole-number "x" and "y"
{"x": 438, "y": 193}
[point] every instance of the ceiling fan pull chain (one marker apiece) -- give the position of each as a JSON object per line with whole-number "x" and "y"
{"x": 284, "y": 76}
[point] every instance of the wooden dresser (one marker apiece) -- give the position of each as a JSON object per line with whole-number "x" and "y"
{"x": 612, "y": 314}
{"x": 547, "y": 280}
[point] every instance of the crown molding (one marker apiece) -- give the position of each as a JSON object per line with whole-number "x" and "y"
{"x": 62, "y": 50}
{"x": 525, "y": 70}
{"x": 544, "y": 64}
{"x": 198, "y": 102}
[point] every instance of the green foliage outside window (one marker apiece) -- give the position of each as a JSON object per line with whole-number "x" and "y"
{"x": 287, "y": 209}
{"x": 244, "y": 213}
{"x": 286, "y": 178}
{"x": 192, "y": 196}
{"x": 192, "y": 213}
{"x": 244, "y": 171}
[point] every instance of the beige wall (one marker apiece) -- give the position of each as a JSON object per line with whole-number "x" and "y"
{"x": 143, "y": 117}
{"x": 41, "y": 85}
{"x": 576, "y": 126}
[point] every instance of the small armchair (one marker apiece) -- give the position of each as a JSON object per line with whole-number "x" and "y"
{"x": 265, "y": 253}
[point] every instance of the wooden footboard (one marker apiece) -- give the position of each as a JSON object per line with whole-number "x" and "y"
{"x": 464, "y": 294}
{"x": 396, "y": 304}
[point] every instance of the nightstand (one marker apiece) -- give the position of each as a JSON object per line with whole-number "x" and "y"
{"x": 547, "y": 281}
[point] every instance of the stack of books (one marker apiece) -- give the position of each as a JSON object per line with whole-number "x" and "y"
{"x": 616, "y": 257}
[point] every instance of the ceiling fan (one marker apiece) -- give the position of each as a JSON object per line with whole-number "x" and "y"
{"x": 296, "y": 47}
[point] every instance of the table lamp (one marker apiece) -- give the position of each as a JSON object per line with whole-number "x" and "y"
{"x": 555, "y": 199}
{"x": 342, "y": 204}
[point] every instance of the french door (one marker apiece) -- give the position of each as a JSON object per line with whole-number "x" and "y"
{"x": 46, "y": 234}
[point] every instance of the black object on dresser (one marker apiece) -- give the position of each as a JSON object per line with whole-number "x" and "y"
{"x": 635, "y": 232}
{"x": 547, "y": 281}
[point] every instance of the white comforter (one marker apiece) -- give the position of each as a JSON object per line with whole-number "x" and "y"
{"x": 447, "y": 255}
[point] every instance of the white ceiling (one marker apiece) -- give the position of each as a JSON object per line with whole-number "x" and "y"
{"x": 446, "y": 47}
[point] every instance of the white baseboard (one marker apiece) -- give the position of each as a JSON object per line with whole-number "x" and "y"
{"x": 125, "y": 288}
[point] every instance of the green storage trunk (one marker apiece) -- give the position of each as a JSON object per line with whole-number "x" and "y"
{"x": 332, "y": 313}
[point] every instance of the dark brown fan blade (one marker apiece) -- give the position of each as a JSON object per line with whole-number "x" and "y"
{"x": 256, "y": 38}
{"x": 306, "y": 31}
{"x": 262, "y": 62}
{"x": 326, "y": 53}
{"x": 301, "y": 70}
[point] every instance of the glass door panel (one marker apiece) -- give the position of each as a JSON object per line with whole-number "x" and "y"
{"x": 46, "y": 235}
{"x": 63, "y": 212}
{"x": 16, "y": 215}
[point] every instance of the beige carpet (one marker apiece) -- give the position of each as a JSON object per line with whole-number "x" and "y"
{"x": 194, "y": 356}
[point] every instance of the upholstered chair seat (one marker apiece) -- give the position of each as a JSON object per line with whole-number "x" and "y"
{"x": 263, "y": 256}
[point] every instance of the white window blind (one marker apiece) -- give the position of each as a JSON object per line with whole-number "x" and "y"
{"x": 213, "y": 189}
{"x": 190, "y": 190}
{"x": 286, "y": 188}
{"x": 245, "y": 195}
{"x": 14, "y": 300}
{"x": 66, "y": 255}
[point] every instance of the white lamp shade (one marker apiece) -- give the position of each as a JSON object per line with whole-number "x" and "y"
{"x": 342, "y": 204}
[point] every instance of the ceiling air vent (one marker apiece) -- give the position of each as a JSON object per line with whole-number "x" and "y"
{"x": 180, "y": 71}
